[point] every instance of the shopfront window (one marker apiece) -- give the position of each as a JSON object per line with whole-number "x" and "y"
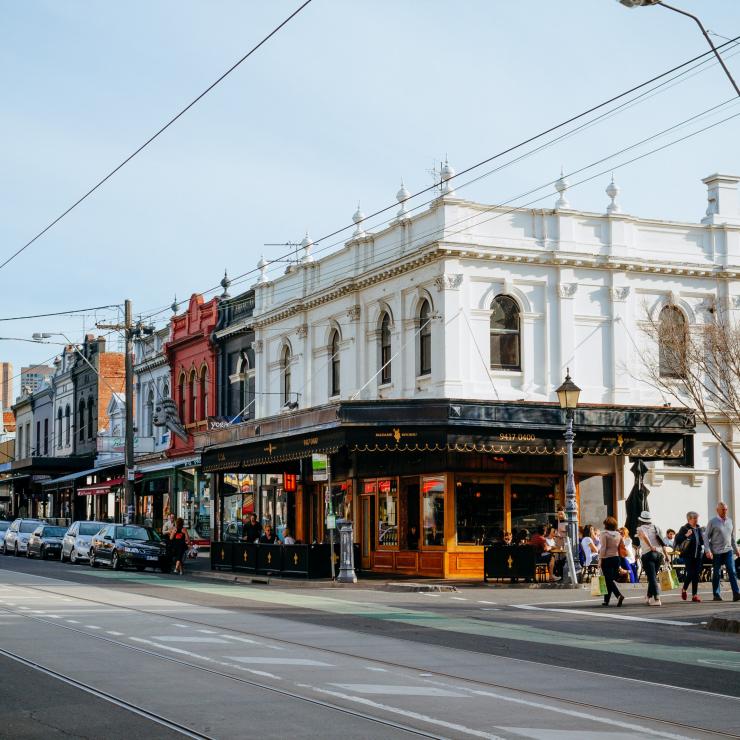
{"x": 274, "y": 508}
{"x": 387, "y": 513}
{"x": 238, "y": 503}
{"x": 534, "y": 501}
{"x": 480, "y": 510}
{"x": 433, "y": 510}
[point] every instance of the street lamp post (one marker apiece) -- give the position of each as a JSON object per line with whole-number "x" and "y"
{"x": 645, "y": 3}
{"x": 568, "y": 394}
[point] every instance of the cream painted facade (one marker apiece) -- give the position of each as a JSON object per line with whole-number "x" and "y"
{"x": 584, "y": 284}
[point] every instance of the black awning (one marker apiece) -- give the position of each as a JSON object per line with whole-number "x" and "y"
{"x": 436, "y": 426}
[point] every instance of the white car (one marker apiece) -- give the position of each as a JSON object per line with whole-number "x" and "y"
{"x": 17, "y": 535}
{"x": 76, "y": 542}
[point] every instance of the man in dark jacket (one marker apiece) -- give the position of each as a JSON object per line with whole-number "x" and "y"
{"x": 252, "y": 530}
{"x": 691, "y": 553}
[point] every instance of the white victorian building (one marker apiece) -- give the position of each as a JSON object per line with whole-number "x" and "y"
{"x": 424, "y": 357}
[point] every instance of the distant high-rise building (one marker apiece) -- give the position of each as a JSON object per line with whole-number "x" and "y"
{"x": 34, "y": 377}
{"x": 6, "y": 385}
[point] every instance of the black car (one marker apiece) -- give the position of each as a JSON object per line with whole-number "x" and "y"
{"x": 126, "y": 545}
{"x": 45, "y": 541}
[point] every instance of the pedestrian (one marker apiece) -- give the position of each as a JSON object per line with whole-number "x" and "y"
{"x": 652, "y": 557}
{"x": 610, "y": 546}
{"x": 629, "y": 561}
{"x": 169, "y": 524}
{"x": 719, "y": 541}
{"x": 689, "y": 543}
{"x": 252, "y": 530}
{"x": 180, "y": 544}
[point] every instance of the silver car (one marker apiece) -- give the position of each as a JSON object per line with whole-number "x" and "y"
{"x": 17, "y": 535}
{"x": 76, "y": 542}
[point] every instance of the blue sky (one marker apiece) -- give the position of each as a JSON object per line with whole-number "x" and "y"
{"x": 347, "y": 99}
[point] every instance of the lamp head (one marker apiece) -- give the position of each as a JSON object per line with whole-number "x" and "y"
{"x": 568, "y": 393}
{"x": 638, "y": 3}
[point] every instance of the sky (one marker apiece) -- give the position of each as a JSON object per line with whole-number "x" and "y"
{"x": 350, "y": 97}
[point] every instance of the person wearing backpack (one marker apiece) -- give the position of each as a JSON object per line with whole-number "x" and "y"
{"x": 690, "y": 546}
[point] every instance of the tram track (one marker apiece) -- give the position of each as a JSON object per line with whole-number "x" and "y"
{"x": 344, "y": 654}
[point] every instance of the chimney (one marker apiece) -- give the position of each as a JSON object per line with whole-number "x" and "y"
{"x": 101, "y": 345}
{"x": 722, "y": 197}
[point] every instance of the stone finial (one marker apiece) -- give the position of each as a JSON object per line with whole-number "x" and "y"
{"x": 225, "y": 283}
{"x": 612, "y": 190}
{"x": 402, "y": 196}
{"x": 262, "y": 267}
{"x": 561, "y": 185}
{"x": 306, "y": 245}
{"x": 446, "y": 174}
{"x": 358, "y": 217}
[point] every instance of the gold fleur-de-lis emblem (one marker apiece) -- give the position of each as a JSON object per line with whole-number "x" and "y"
{"x": 620, "y": 440}
{"x": 223, "y": 554}
{"x": 245, "y": 556}
{"x": 510, "y": 562}
{"x": 269, "y": 557}
{"x": 270, "y": 448}
{"x": 295, "y": 559}
{"x": 397, "y": 435}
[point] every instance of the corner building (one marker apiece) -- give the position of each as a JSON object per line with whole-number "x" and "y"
{"x": 424, "y": 359}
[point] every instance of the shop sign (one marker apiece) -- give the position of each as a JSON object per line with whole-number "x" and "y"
{"x": 218, "y": 422}
{"x": 320, "y": 466}
{"x": 290, "y": 482}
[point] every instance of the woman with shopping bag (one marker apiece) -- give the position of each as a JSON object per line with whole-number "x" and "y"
{"x": 652, "y": 557}
{"x": 690, "y": 546}
{"x": 610, "y": 549}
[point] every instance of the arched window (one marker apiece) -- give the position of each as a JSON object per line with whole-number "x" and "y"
{"x": 149, "y": 414}
{"x": 81, "y": 421}
{"x": 425, "y": 338}
{"x": 67, "y": 425}
{"x": 672, "y": 336}
{"x": 165, "y": 389}
{"x": 91, "y": 418}
{"x": 385, "y": 348}
{"x": 193, "y": 416}
{"x": 59, "y": 427}
{"x": 334, "y": 377}
{"x": 203, "y": 394}
{"x": 285, "y": 359}
{"x": 181, "y": 398}
{"x": 505, "y": 334}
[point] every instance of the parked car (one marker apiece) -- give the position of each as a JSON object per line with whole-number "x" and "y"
{"x": 4, "y": 524}
{"x": 122, "y": 545}
{"x": 45, "y": 541}
{"x": 76, "y": 542}
{"x": 17, "y": 534}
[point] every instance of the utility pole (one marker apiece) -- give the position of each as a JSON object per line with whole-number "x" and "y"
{"x": 130, "y": 330}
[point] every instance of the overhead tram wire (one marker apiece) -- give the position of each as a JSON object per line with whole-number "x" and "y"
{"x": 70, "y": 312}
{"x": 423, "y": 236}
{"x": 707, "y": 57}
{"x": 182, "y": 112}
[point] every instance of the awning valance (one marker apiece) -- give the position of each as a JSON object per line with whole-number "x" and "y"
{"x": 103, "y": 487}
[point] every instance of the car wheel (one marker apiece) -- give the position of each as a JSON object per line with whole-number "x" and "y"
{"x": 93, "y": 561}
{"x": 73, "y": 556}
{"x": 115, "y": 563}
{"x": 61, "y": 557}
{"x": 15, "y": 552}
{"x": 42, "y": 554}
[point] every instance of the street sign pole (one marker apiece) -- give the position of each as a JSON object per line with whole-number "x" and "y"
{"x": 330, "y": 516}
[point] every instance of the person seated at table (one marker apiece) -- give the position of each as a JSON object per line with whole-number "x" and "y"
{"x": 630, "y": 562}
{"x": 670, "y": 538}
{"x": 268, "y": 537}
{"x": 506, "y": 538}
{"x": 542, "y": 550}
{"x": 522, "y": 537}
{"x": 551, "y": 536}
{"x": 588, "y": 550}
{"x": 252, "y": 529}
{"x": 287, "y": 539}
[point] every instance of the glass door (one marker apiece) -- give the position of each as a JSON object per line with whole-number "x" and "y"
{"x": 367, "y": 544}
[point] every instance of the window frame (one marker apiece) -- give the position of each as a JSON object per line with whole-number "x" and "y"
{"x": 386, "y": 354}
{"x": 424, "y": 320}
{"x": 335, "y": 366}
{"x": 665, "y": 353}
{"x": 500, "y": 332}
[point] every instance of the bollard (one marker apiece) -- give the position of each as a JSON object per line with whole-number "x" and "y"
{"x": 346, "y": 555}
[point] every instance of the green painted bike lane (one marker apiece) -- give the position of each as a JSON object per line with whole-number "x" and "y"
{"x": 705, "y": 657}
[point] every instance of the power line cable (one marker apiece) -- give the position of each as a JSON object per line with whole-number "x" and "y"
{"x": 70, "y": 312}
{"x": 157, "y": 134}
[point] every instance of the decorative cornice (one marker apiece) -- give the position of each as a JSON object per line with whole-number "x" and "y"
{"x": 448, "y": 282}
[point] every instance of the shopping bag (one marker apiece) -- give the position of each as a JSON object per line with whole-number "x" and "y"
{"x": 598, "y": 586}
{"x": 668, "y": 579}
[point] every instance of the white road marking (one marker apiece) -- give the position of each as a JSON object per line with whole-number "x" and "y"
{"x": 92, "y": 627}
{"x": 71, "y": 621}
{"x": 487, "y": 602}
{"x": 113, "y": 632}
{"x": 411, "y": 715}
{"x": 280, "y": 661}
{"x": 187, "y": 638}
{"x": 535, "y": 733}
{"x": 581, "y": 715}
{"x": 394, "y": 690}
{"x": 490, "y": 609}
{"x": 458, "y": 598}
{"x": 375, "y": 668}
{"x": 208, "y": 632}
{"x": 252, "y": 642}
{"x": 605, "y": 614}
{"x": 182, "y": 626}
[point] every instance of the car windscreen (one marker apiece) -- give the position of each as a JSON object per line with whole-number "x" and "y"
{"x": 90, "y": 528}
{"x": 54, "y": 531}
{"x": 4, "y": 526}
{"x": 136, "y": 533}
{"x": 28, "y": 527}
